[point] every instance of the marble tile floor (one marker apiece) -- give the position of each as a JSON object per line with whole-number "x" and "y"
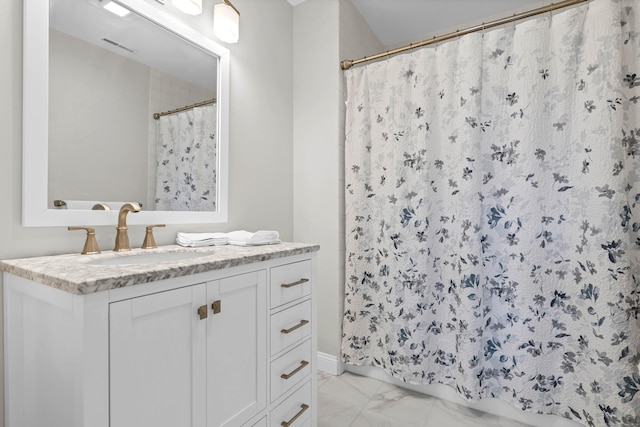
{"x": 351, "y": 400}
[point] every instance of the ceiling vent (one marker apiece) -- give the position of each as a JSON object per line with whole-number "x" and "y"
{"x": 111, "y": 42}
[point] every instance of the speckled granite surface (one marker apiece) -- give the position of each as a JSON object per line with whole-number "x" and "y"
{"x": 83, "y": 274}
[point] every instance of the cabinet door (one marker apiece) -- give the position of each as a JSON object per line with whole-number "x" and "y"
{"x": 237, "y": 349}
{"x": 158, "y": 360}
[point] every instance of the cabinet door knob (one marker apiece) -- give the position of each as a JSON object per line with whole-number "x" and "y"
{"x": 303, "y": 363}
{"x": 216, "y": 306}
{"x": 303, "y": 408}
{"x": 293, "y": 328}
{"x": 292, "y": 284}
{"x": 202, "y": 312}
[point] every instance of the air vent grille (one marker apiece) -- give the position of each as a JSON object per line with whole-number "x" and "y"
{"x": 111, "y": 42}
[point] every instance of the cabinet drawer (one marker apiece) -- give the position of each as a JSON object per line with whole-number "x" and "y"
{"x": 295, "y": 411}
{"x": 290, "y": 369}
{"x": 290, "y": 282}
{"x": 290, "y": 326}
{"x": 261, "y": 423}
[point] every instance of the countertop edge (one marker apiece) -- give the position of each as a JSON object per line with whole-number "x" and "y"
{"x": 71, "y": 281}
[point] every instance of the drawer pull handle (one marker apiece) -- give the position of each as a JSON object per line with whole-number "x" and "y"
{"x": 292, "y": 284}
{"x": 303, "y": 408}
{"x": 293, "y": 328}
{"x": 303, "y": 363}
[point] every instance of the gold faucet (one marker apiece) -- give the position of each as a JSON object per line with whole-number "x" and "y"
{"x": 122, "y": 236}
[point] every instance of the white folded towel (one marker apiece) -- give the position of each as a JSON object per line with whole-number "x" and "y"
{"x": 240, "y": 238}
{"x": 246, "y": 238}
{"x": 194, "y": 240}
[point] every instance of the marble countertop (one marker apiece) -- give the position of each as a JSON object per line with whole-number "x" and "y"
{"x": 85, "y": 274}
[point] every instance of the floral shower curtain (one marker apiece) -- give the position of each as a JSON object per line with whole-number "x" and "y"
{"x": 493, "y": 215}
{"x": 186, "y": 154}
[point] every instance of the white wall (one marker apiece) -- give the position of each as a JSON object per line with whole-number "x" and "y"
{"x": 316, "y": 163}
{"x": 261, "y": 127}
{"x": 324, "y": 31}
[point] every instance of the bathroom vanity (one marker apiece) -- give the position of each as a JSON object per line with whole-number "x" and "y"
{"x": 217, "y": 336}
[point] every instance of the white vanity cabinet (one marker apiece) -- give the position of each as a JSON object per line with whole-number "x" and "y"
{"x": 221, "y": 348}
{"x": 169, "y": 352}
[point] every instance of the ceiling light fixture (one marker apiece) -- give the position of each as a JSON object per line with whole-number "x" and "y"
{"x": 226, "y": 22}
{"x": 190, "y": 7}
{"x": 114, "y": 7}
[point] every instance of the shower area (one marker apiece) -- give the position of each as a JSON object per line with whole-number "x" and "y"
{"x": 492, "y": 187}
{"x": 186, "y": 158}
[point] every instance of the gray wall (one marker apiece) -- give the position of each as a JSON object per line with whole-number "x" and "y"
{"x": 325, "y": 31}
{"x": 316, "y": 158}
{"x": 261, "y": 127}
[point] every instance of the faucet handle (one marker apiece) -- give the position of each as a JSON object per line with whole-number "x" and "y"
{"x": 149, "y": 241}
{"x": 90, "y": 244}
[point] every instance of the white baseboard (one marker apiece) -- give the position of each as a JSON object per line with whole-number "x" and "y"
{"x": 330, "y": 364}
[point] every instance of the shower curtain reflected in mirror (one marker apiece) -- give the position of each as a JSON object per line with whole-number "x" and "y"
{"x": 186, "y": 160}
{"x": 493, "y": 215}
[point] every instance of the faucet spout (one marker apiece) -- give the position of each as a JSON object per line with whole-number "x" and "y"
{"x": 122, "y": 235}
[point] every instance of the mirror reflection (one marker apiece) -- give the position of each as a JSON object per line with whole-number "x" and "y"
{"x": 132, "y": 113}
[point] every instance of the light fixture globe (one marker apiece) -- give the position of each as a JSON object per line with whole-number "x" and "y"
{"x": 226, "y": 22}
{"x": 190, "y": 7}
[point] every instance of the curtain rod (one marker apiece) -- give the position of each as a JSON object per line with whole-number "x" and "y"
{"x": 188, "y": 107}
{"x": 347, "y": 63}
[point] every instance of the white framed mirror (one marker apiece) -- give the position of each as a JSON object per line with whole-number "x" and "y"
{"x": 66, "y": 149}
